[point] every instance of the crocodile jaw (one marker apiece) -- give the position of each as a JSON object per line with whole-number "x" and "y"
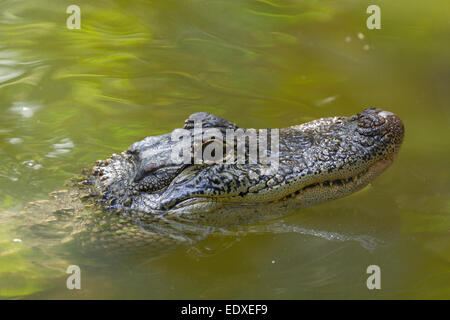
{"x": 310, "y": 172}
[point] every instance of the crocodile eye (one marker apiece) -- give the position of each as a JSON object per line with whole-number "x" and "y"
{"x": 216, "y": 151}
{"x": 212, "y": 151}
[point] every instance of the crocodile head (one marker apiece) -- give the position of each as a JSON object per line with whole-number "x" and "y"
{"x": 318, "y": 161}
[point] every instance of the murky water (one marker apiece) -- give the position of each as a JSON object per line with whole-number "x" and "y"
{"x": 139, "y": 68}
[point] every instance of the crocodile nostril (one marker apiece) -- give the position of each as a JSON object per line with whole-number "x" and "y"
{"x": 393, "y": 122}
{"x": 396, "y": 127}
{"x": 385, "y": 114}
{"x": 370, "y": 121}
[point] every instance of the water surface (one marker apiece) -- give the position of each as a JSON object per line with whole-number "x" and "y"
{"x": 139, "y": 68}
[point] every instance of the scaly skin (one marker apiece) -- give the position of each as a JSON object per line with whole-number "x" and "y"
{"x": 148, "y": 200}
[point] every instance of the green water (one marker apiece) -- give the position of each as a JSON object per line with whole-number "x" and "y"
{"x": 139, "y": 68}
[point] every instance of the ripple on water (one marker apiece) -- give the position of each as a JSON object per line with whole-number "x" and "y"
{"x": 24, "y": 109}
{"x": 32, "y": 164}
{"x": 65, "y": 146}
{"x": 7, "y": 74}
{"x": 366, "y": 241}
{"x": 15, "y": 140}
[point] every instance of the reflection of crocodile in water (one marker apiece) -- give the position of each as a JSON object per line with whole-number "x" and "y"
{"x": 141, "y": 198}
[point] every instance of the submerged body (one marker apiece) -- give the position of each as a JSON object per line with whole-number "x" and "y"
{"x": 143, "y": 198}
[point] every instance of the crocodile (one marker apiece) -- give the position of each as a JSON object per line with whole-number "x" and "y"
{"x": 144, "y": 198}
